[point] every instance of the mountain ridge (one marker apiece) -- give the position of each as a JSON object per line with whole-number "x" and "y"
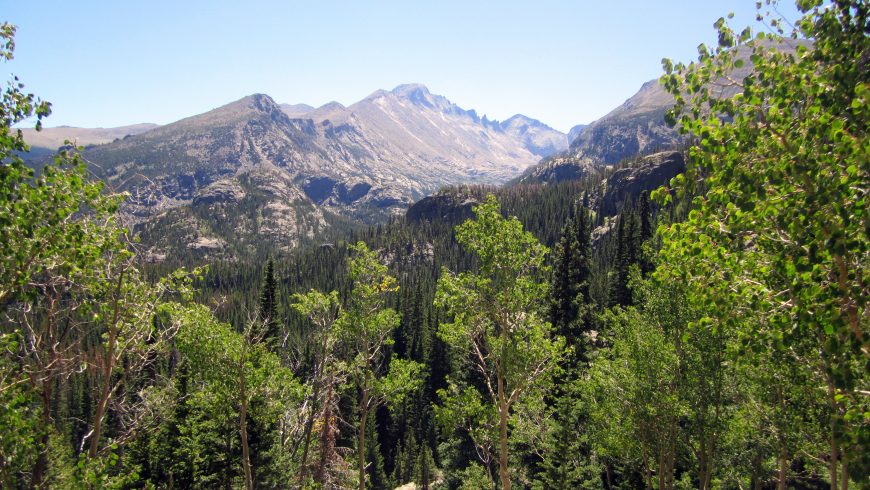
{"x": 256, "y": 162}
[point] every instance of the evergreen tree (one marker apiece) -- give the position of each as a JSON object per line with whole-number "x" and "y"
{"x": 620, "y": 293}
{"x": 267, "y": 313}
{"x": 563, "y": 309}
{"x": 571, "y": 308}
{"x": 582, "y": 278}
{"x": 646, "y": 231}
{"x": 498, "y": 323}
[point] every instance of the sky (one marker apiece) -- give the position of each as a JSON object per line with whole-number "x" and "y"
{"x": 113, "y": 63}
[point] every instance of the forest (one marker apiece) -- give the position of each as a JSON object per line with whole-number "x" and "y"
{"x": 711, "y": 334}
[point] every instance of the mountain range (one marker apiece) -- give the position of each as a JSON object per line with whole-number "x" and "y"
{"x": 257, "y": 169}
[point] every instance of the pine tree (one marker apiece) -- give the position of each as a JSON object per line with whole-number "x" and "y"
{"x": 425, "y": 466}
{"x": 376, "y": 476}
{"x": 627, "y": 254}
{"x": 570, "y": 311}
{"x": 267, "y": 313}
{"x": 563, "y": 309}
{"x": 582, "y": 268}
{"x": 646, "y": 231}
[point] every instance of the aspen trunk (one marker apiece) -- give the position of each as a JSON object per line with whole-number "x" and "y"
{"x": 306, "y": 437}
{"x": 327, "y": 442}
{"x": 246, "y": 456}
{"x": 647, "y": 472}
{"x": 106, "y": 390}
{"x": 835, "y": 450}
{"x": 783, "y": 468}
{"x": 40, "y": 467}
{"x": 47, "y": 372}
{"x": 662, "y": 469}
{"x": 503, "y": 473}
{"x": 782, "y": 458}
{"x": 844, "y": 472}
{"x": 363, "y": 410}
{"x": 108, "y": 367}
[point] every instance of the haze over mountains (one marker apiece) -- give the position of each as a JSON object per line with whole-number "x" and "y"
{"x": 52, "y": 138}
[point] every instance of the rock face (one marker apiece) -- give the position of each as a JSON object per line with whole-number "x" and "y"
{"x": 556, "y": 169}
{"x": 636, "y": 127}
{"x": 227, "y": 191}
{"x": 260, "y": 208}
{"x": 418, "y": 141}
{"x": 651, "y": 172}
{"x": 574, "y": 132}
{"x": 451, "y": 206}
{"x": 363, "y": 162}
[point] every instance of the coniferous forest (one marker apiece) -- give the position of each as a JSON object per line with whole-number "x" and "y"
{"x": 710, "y": 333}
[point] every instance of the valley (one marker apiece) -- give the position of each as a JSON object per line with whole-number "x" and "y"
{"x": 401, "y": 293}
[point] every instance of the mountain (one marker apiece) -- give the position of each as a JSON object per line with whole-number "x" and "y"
{"x": 537, "y": 137}
{"x": 636, "y": 127}
{"x": 424, "y": 141}
{"x": 296, "y": 110}
{"x": 574, "y": 132}
{"x": 608, "y": 190}
{"x": 53, "y": 138}
{"x": 641, "y": 176}
{"x": 255, "y": 169}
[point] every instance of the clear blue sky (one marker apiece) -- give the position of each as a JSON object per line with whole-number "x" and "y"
{"x": 112, "y": 63}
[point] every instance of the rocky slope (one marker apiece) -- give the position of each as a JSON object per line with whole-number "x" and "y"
{"x": 644, "y": 175}
{"x": 287, "y": 173}
{"x": 422, "y": 141}
{"x": 574, "y": 132}
{"x": 608, "y": 190}
{"x": 636, "y": 127}
{"x": 537, "y": 137}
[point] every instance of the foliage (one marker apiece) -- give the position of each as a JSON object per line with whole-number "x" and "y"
{"x": 782, "y": 229}
{"x": 498, "y": 323}
{"x": 735, "y": 357}
{"x": 236, "y": 370}
{"x": 364, "y": 329}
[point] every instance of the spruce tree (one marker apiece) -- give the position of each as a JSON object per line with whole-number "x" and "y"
{"x": 627, "y": 254}
{"x": 646, "y": 231}
{"x": 563, "y": 309}
{"x": 267, "y": 313}
{"x": 582, "y": 278}
{"x": 619, "y": 289}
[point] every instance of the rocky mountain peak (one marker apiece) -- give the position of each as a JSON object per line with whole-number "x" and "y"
{"x": 419, "y": 95}
{"x": 538, "y": 138}
{"x": 411, "y": 90}
{"x": 523, "y": 123}
{"x": 256, "y": 102}
{"x": 574, "y": 132}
